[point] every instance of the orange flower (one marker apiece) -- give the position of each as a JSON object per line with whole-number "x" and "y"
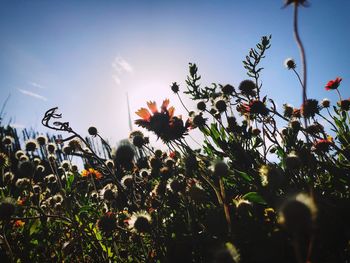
{"x": 92, "y": 172}
{"x": 164, "y": 124}
{"x": 18, "y": 223}
{"x": 21, "y": 201}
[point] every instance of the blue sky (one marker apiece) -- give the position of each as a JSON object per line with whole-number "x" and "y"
{"x": 84, "y": 56}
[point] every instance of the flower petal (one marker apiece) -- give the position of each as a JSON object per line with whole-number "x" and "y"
{"x": 165, "y": 105}
{"x": 144, "y": 114}
{"x": 171, "y": 111}
{"x": 152, "y": 105}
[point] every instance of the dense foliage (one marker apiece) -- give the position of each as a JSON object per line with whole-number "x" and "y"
{"x": 265, "y": 185}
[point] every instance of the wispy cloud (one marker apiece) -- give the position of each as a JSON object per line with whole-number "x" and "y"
{"x": 36, "y": 85}
{"x": 32, "y": 94}
{"x": 120, "y": 66}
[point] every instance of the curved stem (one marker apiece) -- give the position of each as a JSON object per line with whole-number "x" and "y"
{"x": 302, "y": 51}
{"x": 8, "y": 247}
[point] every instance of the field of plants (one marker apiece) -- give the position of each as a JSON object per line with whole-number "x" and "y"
{"x": 264, "y": 186}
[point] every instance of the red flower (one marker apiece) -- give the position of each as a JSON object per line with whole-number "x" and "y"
{"x": 333, "y": 84}
{"x": 322, "y": 145}
{"x": 255, "y": 107}
{"x": 18, "y": 223}
{"x": 164, "y": 124}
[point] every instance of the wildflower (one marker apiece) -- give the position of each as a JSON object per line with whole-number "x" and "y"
{"x": 51, "y": 158}
{"x": 109, "y": 163}
{"x": 75, "y": 145}
{"x": 199, "y": 121}
{"x": 124, "y": 155}
{"x": 220, "y": 105}
{"x": 322, "y": 145}
{"x": 137, "y": 138}
{"x": 256, "y": 132}
{"x": 31, "y": 145}
{"x": 18, "y": 223}
{"x": 51, "y": 147}
{"x": 201, "y": 106}
{"x": 8, "y": 177}
{"x": 107, "y": 223}
{"x": 66, "y": 149}
{"x": 247, "y": 87}
{"x": 314, "y": 128}
{"x": 333, "y": 84}
{"x": 296, "y": 113}
{"x": 288, "y": 110}
{"x": 325, "y": 103}
{"x": 22, "y": 183}
{"x": 127, "y": 181}
{"x": 289, "y": 63}
{"x": 169, "y": 162}
{"x": 7, "y": 140}
{"x": 36, "y": 161}
{"x": 163, "y": 123}
{"x": 19, "y": 153}
{"x": 91, "y": 172}
{"x": 36, "y": 189}
{"x": 4, "y": 161}
{"x": 41, "y": 140}
{"x": 309, "y": 108}
{"x": 227, "y": 89}
{"x": 40, "y": 168}
{"x": 74, "y": 168}
{"x": 109, "y": 192}
{"x": 175, "y": 87}
{"x": 92, "y": 131}
{"x": 255, "y": 107}
{"x": 144, "y": 173}
{"x": 296, "y": 2}
{"x": 50, "y": 178}
{"x": 344, "y": 104}
{"x": 65, "y": 165}
{"x": 270, "y": 175}
{"x": 58, "y": 198}
{"x": 140, "y": 222}
{"x": 177, "y": 185}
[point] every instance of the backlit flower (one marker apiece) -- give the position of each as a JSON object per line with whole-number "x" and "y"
{"x": 310, "y": 108}
{"x": 322, "y": 145}
{"x": 140, "y": 222}
{"x": 164, "y": 124}
{"x": 289, "y": 63}
{"x": 254, "y": 107}
{"x": 91, "y": 172}
{"x": 107, "y": 223}
{"x": 344, "y": 104}
{"x": 333, "y": 84}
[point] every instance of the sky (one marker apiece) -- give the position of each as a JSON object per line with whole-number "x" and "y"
{"x": 85, "y": 56}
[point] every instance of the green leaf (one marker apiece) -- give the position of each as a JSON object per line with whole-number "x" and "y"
{"x": 254, "y": 197}
{"x": 244, "y": 175}
{"x": 33, "y": 228}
